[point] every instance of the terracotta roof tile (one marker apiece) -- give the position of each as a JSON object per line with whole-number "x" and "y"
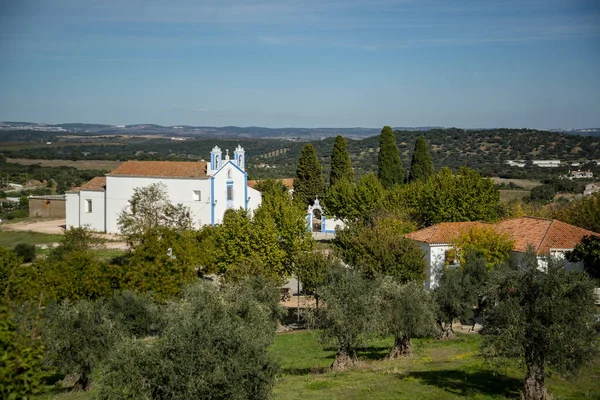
{"x": 444, "y": 232}
{"x": 96, "y": 184}
{"x": 541, "y": 233}
{"x": 287, "y": 182}
{"x": 162, "y": 169}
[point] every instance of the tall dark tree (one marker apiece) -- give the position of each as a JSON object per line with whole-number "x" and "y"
{"x": 421, "y": 165}
{"x": 341, "y": 166}
{"x": 309, "y": 176}
{"x": 389, "y": 166}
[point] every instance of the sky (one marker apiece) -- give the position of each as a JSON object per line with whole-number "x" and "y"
{"x": 309, "y": 63}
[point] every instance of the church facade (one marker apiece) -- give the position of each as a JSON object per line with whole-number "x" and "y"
{"x": 209, "y": 189}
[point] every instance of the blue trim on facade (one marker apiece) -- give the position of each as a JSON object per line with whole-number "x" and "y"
{"x": 309, "y": 222}
{"x": 323, "y": 219}
{"x": 233, "y": 164}
{"x": 246, "y": 191}
{"x": 212, "y": 200}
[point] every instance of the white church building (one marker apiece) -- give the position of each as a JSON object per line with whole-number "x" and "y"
{"x": 207, "y": 188}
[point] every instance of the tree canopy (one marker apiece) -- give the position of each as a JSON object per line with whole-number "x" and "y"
{"x": 389, "y": 166}
{"x": 341, "y": 166}
{"x": 308, "y": 183}
{"x": 421, "y": 165}
{"x": 543, "y": 319}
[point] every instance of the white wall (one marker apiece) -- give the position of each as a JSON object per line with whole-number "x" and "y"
{"x": 119, "y": 190}
{"x": 72, "y": 210}
{"x": 94, "y": 220}
{"x": 437, "y": 258}
{"x": 240, "y": 191}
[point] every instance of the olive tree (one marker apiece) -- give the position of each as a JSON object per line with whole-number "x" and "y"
{"x": 350, "y": 315}
{"x": 213, "y": 346}
{"x": 543, "y": 319}
{"x": 408, "y": 311}
{"x": 78, "y": 336}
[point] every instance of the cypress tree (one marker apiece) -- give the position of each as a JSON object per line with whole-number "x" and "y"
{"x": 389, "y": 166}
{"x": 421, "y": 165}
{"x": 309, "y": 176}
{"x": 341, "y": 166}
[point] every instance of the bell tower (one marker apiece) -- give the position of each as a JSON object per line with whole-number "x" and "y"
{"x": 215, "y": 159}
{"x": 239, "y": 155}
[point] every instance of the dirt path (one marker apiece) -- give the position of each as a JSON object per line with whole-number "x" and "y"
{"x": 52, "y": 226}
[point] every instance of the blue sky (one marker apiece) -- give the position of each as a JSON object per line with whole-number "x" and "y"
{"x": 307, "y": 63}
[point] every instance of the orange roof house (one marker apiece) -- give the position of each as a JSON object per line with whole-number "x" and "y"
{"x": 545, "y": 236}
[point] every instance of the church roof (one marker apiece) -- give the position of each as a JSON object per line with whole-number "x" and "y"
{"x": 162, "y": 169}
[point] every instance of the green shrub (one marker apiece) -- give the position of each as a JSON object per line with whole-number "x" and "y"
{"x": 79, "y": 336}
{"x": 21, "y": 373}
{"x": 25, "y": 251}
{"x": 137, "y": 313}
{"x": 211, "y": 348}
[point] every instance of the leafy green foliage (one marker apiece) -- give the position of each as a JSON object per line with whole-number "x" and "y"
{"x": 350, "y": 316}
{"x": 584, "y": 212}
{"x": 9, "y": 262}
{"x": 350, "y": 201}
{"x": 542, "y": 193}
{"x": 211, "y": 347}
{"x": 21, "y": 371}
{"x": 79, "y": 336}
{"x": 485, "y": 241}
{"x": 544, "y": 319}
{"x": 341, "y": 166}
{"x": 290, "y": 222}
{"x": 389, "y": 166}
{"x": 421, "y": 165}
{"x": 137, "y": 313}
{"x": 408, "y": 312}
{"x": 163, "y": 262}
{"x": 588, "y": 251}
{"x": 312, "y": 268}
{"x": 378, "y": 246}
{"x": 308, "y": 183}
{"x": 447, "y": 197}
{"x": 149, "y": 208}
{"x": 25, "y": 251}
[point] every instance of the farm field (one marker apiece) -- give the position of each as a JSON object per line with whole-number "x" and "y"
{"x": 80, "y": 164}
{"x": 526, "y": 184}
{"x": 438, "y": 370}
{"x": 508, "y": 195}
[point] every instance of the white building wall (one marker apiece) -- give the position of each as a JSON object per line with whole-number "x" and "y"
{"x": 119, "y": 190}
{"x": 240, "y": 191}
{"x": 72, "y": 210}
{"x": 94, "y": 220}
{"x": 437, "y": 258}
{"x": 255, "y": 199}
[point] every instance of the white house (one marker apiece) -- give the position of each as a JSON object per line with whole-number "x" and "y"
{"x": 548, "y": 237}
{"x": 207, "y": 188}
{"x": 546, "y": 163}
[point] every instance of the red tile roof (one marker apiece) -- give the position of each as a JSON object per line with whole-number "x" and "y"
{"x": 162, "y": 169}
{"x": 287, "y": 182}
{"x": 541, "y": 233}
{"x": 96, "y": 184}
{"x": 444, "y": 232}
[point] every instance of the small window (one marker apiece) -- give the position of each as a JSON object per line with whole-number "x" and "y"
{"x": 197, "y": 195}
{"x": 88, "y": 205}
{"x": 229, "y": 192}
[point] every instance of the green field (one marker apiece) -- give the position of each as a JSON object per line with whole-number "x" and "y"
{"x": 508, "y": 195}
{"x": 12, "y": 238}
{"x": 438, "y": 370}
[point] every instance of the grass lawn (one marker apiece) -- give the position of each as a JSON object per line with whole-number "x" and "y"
{"x": 438, "y": 370}
{"x": 12, "y": 238}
